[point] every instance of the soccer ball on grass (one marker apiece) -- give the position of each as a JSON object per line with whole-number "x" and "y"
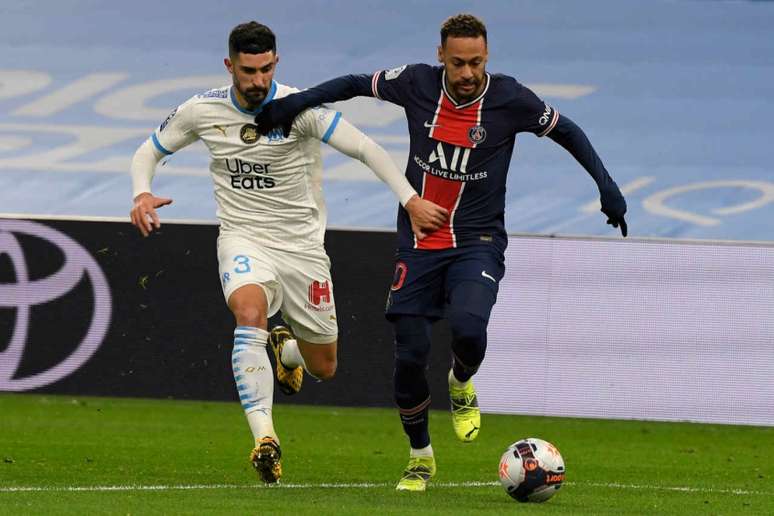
{"x": 531, "y": 470}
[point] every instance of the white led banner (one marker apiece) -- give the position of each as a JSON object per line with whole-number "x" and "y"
{"x": 633, "y": 330}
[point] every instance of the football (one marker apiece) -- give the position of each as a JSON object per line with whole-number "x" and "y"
{"x": 531, "y": 470}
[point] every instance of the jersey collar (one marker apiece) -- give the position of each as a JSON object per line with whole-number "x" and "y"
{"x": 466, "y": 104}
{"x": 269, "y": 98}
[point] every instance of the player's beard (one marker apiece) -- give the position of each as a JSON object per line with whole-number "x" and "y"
{"x": 467, "y": 94}
{"x": 253, "y": 96}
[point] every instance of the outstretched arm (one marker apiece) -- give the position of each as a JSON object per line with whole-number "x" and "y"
{"x": 425, "y": 216}
{"x": 281, "y": 112}
{"x": 567, "y": 134}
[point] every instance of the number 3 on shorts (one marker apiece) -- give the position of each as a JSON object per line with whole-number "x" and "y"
{"x": 243, "y": 264}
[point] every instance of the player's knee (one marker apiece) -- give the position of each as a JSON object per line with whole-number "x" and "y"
{"x": 412, "y": 339}
{"x": 466, "y": 327}
{"x": 468, "y": 337}
{"x": 323, "y": 369}
{"x": 249, "y": 314}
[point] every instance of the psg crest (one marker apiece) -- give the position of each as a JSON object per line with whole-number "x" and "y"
{"x": 476, "y": 134}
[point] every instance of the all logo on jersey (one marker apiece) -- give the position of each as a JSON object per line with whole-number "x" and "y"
{"x": 249, "y": 133}
{"x": 456, "y": 164}
{"x": 450, "y": 164}
{"x": 477, "y": 134}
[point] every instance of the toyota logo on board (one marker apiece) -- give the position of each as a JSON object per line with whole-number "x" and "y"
{"x": 24, "y": 293}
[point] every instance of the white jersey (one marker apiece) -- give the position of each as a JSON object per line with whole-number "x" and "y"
{"x": 268, "y": 187}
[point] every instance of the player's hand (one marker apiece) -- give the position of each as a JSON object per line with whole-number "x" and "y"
{"x": 426, "y": 216}
{"x": 614, "y": 206}
{"x": 144, "y": 215}
{"x": 278, "y": 113}
{"x": 619, "y": 221}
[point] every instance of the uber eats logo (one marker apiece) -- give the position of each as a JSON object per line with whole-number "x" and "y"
{"x": 246, "y": 175}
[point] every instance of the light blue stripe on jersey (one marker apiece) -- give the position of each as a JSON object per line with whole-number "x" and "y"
{"x": 158, "y": 145}
{"x": 269, "y": 98}
{"x": 332, "y": 127}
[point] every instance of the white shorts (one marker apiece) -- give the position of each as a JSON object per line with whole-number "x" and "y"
{"x": 296, "y": 282}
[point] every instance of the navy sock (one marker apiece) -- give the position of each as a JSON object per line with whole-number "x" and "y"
{"x": 468, "y": 344}
{"x": 412, "y": 394}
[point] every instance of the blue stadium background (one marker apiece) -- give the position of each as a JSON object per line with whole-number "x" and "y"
{"x": 677, "y": 97}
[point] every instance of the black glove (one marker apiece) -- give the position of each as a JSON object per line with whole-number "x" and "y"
{"x": 614, "y": 206}
{"x": 279, "y": 113}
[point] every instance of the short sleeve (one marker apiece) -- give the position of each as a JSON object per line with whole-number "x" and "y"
{"x": 530, "y": 114}
{"x": 177, "y": 130}
{"x": 317, "y": 122}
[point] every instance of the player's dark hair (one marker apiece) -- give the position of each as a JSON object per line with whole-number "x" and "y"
{"x": 462, "y": 26}
{"x": 251, "y": 38}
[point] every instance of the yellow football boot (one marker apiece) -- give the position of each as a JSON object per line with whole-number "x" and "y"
{"x": 466, "y": 416}
{"x": 416, "y": 474}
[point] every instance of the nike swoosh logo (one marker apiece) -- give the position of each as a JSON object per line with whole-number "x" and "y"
{"x": 484, "y": 274}
{"x": 430, "y": 126}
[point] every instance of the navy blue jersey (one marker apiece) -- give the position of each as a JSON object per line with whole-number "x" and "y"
{"x": 460, "y": 153}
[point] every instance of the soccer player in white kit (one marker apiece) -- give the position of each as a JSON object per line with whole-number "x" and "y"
{"x": 272, "y": 222}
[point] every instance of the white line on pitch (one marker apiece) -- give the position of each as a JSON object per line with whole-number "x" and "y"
{"x": 363, "y": 485}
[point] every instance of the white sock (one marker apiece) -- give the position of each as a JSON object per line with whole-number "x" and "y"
{"x": 427, "y": 451}
{"x": 254, "y": 379}
{"x": 456, "y": 383}
{"x": 291, "y": 355}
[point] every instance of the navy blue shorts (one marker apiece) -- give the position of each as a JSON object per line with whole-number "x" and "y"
{"x": 424, "y": 282}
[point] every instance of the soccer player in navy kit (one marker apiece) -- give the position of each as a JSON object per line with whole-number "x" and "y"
{"x": 462, "y": 123}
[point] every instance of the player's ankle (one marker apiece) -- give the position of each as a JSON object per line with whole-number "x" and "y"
{"x": 455, "y": 383}
{"x": 427, "y": 451}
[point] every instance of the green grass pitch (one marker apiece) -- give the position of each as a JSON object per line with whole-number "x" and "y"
{"x": 65, "y": 455}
